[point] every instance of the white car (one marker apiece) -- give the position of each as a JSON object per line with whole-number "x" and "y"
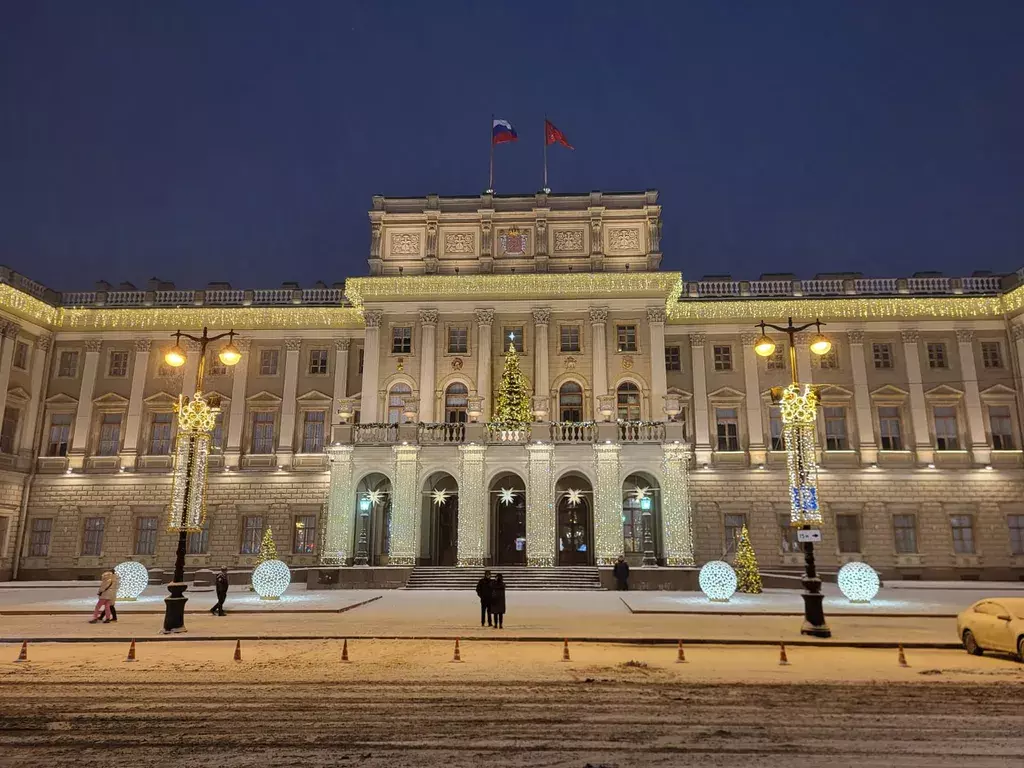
{"x": 994, "y": 624}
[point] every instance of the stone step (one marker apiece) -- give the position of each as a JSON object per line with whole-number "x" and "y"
{"x": 570, "y": 578}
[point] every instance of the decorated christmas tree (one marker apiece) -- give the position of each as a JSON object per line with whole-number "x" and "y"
{"x": 267, "y": 549}
{"x": 748, "y": 576}
{"x": 512, "y": 407}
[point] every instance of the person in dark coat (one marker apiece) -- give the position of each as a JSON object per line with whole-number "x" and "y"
{"x": 483, "y": 591}
{"x": 498, "y": 601}
{"x": 222, "y": 592}
{"x": 621, "y": 573}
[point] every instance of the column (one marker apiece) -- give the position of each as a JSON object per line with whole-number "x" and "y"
{"x": 286, "y": 439}
{"x": 981, "y": 453}
{"x": 598, "y": 316}
{"x": 371, "y": 361}
{"x": 341, "y": 507}
{"x": 10, "y": 338}
{"x": 804, "y": 374}
{"x": 133, "y": 421}
{"x": 405, "y": 505}
{"x": 540, "y": 505}
{"x": 676, "y": 510}
{"x": 341, "y": 352}
{"x": 428, "y": 358}
{"x": 484, "y": 320}
{"x": 862, "y": 398}
{"x": 39, "y": 367}
{"x": 236, "y": 416}
{"x": 541, "y": 375}
{"x": 188, "y": 371}
{"x": 607, "y": 504}
{"x": 756, "y": 449}
{"x": 918, "y": 410}
{"x": 701, "y": 425}
{"x": 659, "y": 378}
{"x": 473, "y": 506}
{"x": 83, "y": 417}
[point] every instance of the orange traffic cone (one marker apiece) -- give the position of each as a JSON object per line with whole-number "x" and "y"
{"x": 902, "y": 656}
{"x": 680, "y": 655}
{"x": 457, "y": 656}
{"x": 344, "y": 650}
{"x": 131, "y": 652}
{"x": 565, "y": 650}
{"x": 783, "y": 658}
{"x": 238, "y": 650}
{"x": 23, "y": 656}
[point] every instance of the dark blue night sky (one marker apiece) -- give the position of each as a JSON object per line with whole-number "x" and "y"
{"x": 241, "y": 141}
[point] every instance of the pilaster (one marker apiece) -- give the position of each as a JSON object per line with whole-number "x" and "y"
{"x": 405, "y": 505}
{"x": 598, "y": 317}
{"x": 10, "y": 338}
{"x": 286, "y": 439}
{"x": 484, "y": 320}
{"x": 700, "y": 398}
{"x": 371, "y": 363}
{"x": 757, "y": 451}
{"x": 541, "y": 385}
{"x": 133, "y": 421}
{"x": 981, "y": 453}
{"x": 804, "y": 372}
{"x": 193, "y": 350}
{"x": 607, "y": 504}
{"x": 868, "y": 446}
{"x": 83, "y": 416}
{"x": 918, "y": 410}
{"x": 659, "y": 377}
{"x": 676, "y": 510}
{"x": 236, "y": 416}
{"x": 428, "y": 354}
{"x": 28, "y": 432}
{"x": 472, "y": 540}
{"x": 341, "y": 353}
{"x": 341, "y": 506}
{"x": 540, "y": 506}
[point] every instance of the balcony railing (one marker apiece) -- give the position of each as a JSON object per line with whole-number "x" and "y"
{"x": 441, "y": 433}
{"x": 506, "y": 434}
{"x": 641, "y": 431}
{"x": 375, "y": 434}
{"x": 934, "y": 285}
{"x": 573, "y": 432}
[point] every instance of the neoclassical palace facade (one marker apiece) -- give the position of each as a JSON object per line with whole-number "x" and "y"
{"x": 360, "y": 426}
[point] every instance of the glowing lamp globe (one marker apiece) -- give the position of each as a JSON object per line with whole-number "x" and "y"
{"x": 717, "y": 580}
{"x": 820, "y": 345}
{"x": 764, "y": 346}
{"x": 230, "y": 354}
{"x": 134, "y": 580}
{"x": 271, "y": 579}
{"x": 175, "y": 357}
{"x": 859, "y": 582}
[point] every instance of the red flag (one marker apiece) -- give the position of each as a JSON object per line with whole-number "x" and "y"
{"x": 553, "y": 135}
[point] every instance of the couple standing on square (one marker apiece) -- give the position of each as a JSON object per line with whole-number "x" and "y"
{"x": 492, "y": 600}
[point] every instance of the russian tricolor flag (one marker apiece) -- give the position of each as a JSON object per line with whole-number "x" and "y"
{"x": 502, "y": 132}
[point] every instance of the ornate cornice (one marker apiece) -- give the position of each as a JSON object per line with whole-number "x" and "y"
{"x": 143, "y": 344}
{"x": 698, "y": 340}
{"x": 656, "y": 314}
{"x": 372, "y": 318}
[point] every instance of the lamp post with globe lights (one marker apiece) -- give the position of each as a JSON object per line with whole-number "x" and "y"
{"x": 197, "y": 417}
{"x": 799, "y": 404}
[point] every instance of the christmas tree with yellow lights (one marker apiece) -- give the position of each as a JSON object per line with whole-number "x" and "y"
{"x": 748, "y": 575}
{"x": 512, "y": 406}
{"x": 268, "y": 551}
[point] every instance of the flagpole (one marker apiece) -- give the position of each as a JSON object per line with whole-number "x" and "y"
{"x": 490, "y": 139}
{"x": 546, "y": 188}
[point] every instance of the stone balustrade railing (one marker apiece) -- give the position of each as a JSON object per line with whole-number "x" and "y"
{"x": 845, "y": 286}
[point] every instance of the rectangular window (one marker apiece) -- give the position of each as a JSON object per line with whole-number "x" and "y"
{"x": 214, "y": 367}
{"x": 848, "y": 532}
{"x": 512, "y": 334}
{"x": 836, "y": 438}
{"x": 889, "y": 428}
{"x": 991, "y": 354}
{"x": 830, "y": 360}
{"x": 673, "y": 359}
{"x": 788, "y": 536}
{"x": 1001, "y": 425}
{"x": 117, "y": 364}
{"x": 733, "y": 527}
{"x": 252, "y": 534}
{"x": 963, "y": 534}
{"x": 1016, "y": 523}
{"x": 946, "y": 436}
{"x": 92, "y": 536}
{"x": 937, "y": 355}
{"x": 728, "y": 429}
{"x": 305, "y": 535}
{"x": 882, "y": 355}
{"x": 21, "y": 355}
{"x": 198, "y": 542}
{"x": 401, "y": 340}
{"x": 626, "y": 335}
{"x": 569, "y": 338}
{"x": 9, "y": 431}
{"x": 60, "y": 434}
{"x": 777, "y": 359}
{"x": 458, "y": 340}
{"x": 318, "y": 362}
{"x": 313, "y": 431}
{"x": 262, "y": 432}
{"x": 110, "y": 435}
{"x": 217, "y": 437}
{"x": 145, "y": 536}
{"x": 775, "y": 428}
{"x": 67, "y": 364}
{"x": 723, "y": 358}
{"x": 268, "y": 361}
{"x": 39, "y": 539}
{"x": 160, "y": 434}
{"x": 904, "y": 528}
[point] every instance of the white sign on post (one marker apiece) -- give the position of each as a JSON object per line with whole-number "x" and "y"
{"x": 812, "y": 535}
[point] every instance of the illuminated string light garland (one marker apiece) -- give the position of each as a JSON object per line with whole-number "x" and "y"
{"x": 540, "y": 506}
{"x": 858, "y": 582}
{"x": 196, "y": 420}
{"x": 270, "y": 579}
{"x": 405, "y": 507}
{"x": 472, "y": 506}
{"x": 248, "y": 318}
{"x": 134, "y": 579}
{"x": 608, "y": 542}
{"x": 341, "y": 505}
{"x": 676, "y": 512}
{"x": 798, "y": 405}
{"x": 852, "y": 308}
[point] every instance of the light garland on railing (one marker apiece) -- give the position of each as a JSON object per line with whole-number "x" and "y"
{"x": 798, "y": 405}
{"x": 540, "y": 506}
{"x": 405, "y": 506}
{"x": 196, "y": 420}
{"x": 341, "y": 506}
{"x": 473, "y": 506}
{"x": 946, "y": 307}
{"x": 676, "y": 510}
{"x": 248, "y": 318}
{"x": 608, "y": 541}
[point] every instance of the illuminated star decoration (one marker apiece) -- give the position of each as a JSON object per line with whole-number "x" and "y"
{"x": 375, "y": 496}
{"x": 440, "y": 496}
{"x": 574, "y": 496}
{"x": 640, "y": 493}
{"x": 507, "y": 496}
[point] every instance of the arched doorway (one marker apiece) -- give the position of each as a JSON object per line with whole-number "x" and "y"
{"x": 641, "y": 519}
{"x": 574, "y": 505}
{"x": 508, "y": 507}
{"x": 373, "y": 520}
{"x": 441, "y": 495}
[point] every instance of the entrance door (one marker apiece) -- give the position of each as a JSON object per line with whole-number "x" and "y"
{"x": 573, "y": 533}
{"x": 510, "y": 547}
{"x": 448, "y": 531}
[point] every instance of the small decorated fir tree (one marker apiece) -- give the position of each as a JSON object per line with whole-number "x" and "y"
{"x": 268, "y": 551}
{"x": 748, "y": 575}
{"x": 512, "y": 406}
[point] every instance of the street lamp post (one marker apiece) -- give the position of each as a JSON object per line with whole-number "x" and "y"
{"x": 799, "y": 411}
{"x": 196, "y": 419}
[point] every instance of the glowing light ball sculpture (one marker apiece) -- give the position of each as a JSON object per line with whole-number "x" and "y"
{"x": 270, "y": 579}
{"x": 134, "y": 580}
{"x": 718, "y": 581}
{"x": 859, "y": 582}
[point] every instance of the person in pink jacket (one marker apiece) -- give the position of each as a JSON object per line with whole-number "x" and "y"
{"x": 106, "y": 595}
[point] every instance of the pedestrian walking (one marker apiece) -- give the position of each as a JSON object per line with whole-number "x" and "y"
{"x": 104, "y": 596}
{"x": 621, "y": 573}
{"x": 221, "y": 584}
{"x": 483, "y": 591}
{"x": 498, "y": 601}
{"x": 111, "y": 610}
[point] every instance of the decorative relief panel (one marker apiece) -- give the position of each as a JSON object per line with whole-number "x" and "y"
{"x": 513, "y": 241}
{"x": 405, "y": 243}
{"x": 623, "y": 240}
{"x": 459, "y": 243}
{"x": 569, "y": 241}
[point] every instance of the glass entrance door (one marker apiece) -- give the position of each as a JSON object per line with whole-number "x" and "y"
{"x": 573, "y": 532}
{"x": 510, "y": 547}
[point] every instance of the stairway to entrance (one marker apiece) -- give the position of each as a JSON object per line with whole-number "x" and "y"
{"x": 574, "y": 578}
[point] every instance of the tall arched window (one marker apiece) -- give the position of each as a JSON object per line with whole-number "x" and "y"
{"x": 396, "y": 402}
{"x": 570, "y": 402}
{"x": 628, "y": 398}
{"x": 456, "y": 404}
